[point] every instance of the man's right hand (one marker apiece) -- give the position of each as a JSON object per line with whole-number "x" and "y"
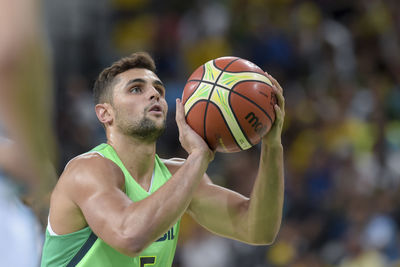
{"x": 190, "y": 140}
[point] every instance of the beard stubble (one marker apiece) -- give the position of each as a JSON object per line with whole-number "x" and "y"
{"x": 145, "y": 129}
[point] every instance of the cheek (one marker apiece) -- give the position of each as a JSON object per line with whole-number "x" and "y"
{"x": 166, "y": 107}
{"x": 129, "y": 110}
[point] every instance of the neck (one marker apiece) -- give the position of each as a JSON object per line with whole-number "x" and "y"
{"x": 137, "y": 156}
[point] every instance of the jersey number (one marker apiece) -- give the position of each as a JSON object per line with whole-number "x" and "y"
{"x": 146, "y": 261}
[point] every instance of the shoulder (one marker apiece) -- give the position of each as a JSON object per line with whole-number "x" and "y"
{"x": 84, "y": 177}
{"x": 173, "y": 164}
{"x": 90, "y": 171}
{"x": 91, "y": 163}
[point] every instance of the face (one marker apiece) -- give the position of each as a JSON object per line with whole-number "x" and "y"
{"x": 139, "y": 104}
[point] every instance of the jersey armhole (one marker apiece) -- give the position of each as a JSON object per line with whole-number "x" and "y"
{"x": 49, "y": 229}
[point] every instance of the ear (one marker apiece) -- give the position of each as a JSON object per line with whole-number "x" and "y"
{"x": 104, "y": 113}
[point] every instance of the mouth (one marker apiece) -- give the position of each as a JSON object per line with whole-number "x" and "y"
{"x": 156, "y": 109}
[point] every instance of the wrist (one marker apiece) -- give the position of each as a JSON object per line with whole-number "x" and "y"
{"x": 272, "y": 144}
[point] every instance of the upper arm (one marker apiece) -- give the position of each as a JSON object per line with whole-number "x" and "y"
{"x": 95, "y": 186}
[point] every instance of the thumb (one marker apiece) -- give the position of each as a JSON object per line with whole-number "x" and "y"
{"x": 180, "y": 114}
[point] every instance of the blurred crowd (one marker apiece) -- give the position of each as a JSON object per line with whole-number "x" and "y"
{"x": 339, "y": 64}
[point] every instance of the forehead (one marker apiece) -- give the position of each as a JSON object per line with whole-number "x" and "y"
{"x": 136, "y": 73}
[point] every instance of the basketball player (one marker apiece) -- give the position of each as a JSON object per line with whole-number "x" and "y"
{"x": 26, "y": 139}
{"x": 120, "y": 204}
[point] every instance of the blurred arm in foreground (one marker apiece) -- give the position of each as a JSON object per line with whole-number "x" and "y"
{"x": 27, "y": 150}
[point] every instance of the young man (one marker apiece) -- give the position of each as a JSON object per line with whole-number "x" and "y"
{"x": 120, "y": 204}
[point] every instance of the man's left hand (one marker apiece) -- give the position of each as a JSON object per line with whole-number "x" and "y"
{"x": 273, "y": 137}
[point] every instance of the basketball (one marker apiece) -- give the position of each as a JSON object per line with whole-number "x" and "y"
{"x": 229, "y": 102}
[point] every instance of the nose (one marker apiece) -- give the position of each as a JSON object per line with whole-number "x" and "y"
{"x": 154, "y": 93}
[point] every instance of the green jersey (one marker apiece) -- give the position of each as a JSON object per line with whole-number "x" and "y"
{"x": 84, "y": 248}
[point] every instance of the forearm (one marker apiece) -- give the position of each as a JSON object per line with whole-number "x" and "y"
{"x": 160, "y": 211}
{"x": 265, "y": 208}
{"x": 25, "y": 93}
{"x": 25, "y": 102}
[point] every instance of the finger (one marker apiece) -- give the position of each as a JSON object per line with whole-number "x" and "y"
{"x": 278, "y": 113}
{"x": 275, "y": 83}
{"x": 279, "y": 116}
{"x": 280, "y": 99}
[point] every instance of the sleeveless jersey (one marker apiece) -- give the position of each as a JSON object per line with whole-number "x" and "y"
{"x": 83, "y": 248}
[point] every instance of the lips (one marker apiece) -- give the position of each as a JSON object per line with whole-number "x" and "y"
{"x": 155, "y": 108}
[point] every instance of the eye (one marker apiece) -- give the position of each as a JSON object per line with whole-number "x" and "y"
{"x": 161, "y": 90}
{"x": 135, "y": 89}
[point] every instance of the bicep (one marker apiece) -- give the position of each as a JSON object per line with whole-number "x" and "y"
{"x": 219, "y": 209}
{"x": 102, "y": 211}
{"x": 98, "y": 193}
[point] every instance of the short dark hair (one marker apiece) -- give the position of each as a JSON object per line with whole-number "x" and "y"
{"x": 102, "y": 87}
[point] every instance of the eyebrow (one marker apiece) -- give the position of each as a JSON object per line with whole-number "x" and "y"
{"x": 139, "y": 80}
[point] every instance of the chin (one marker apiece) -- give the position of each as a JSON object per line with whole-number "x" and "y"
{"x": 150, "y": 131}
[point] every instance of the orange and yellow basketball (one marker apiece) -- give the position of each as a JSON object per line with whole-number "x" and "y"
{"x": 229, "y": 101}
